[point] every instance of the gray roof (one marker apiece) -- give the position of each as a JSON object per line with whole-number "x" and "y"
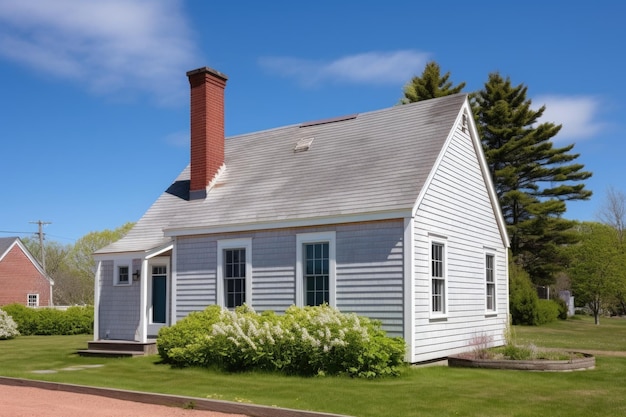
{"x": 375, "y": 162}
{"x": 5, "y": 243}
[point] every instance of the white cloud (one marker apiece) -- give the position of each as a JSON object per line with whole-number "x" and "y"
{"x": 366, "y": 68}
{"x": 113, "y": 46}
{"x": 577, "y": 114}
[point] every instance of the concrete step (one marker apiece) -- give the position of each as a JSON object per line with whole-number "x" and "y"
{"x": 118, "y": 348}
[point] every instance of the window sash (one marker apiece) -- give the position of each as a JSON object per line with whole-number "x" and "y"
{"x": 316, "y": 273}
{"x": 33, "y": 300}
{"x": 490, "y": 290}
{"x": 123, "y": 274}
{"x": 438, "y": 290}
{"x": 234, "y": 277}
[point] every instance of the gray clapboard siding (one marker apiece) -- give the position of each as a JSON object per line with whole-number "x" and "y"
{"x": 369, "y": 270}
{"x": 196, "y": 274}
{"x": 118, "y": 310}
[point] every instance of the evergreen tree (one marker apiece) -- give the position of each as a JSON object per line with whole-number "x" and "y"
{"x": 533, "y": 179}
{"x": 431, "y": 84}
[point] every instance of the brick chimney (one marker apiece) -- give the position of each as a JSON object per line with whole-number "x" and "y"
{"x": 207, "y": 128}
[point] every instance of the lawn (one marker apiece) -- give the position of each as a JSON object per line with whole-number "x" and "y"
{"x": 423, "y": 391}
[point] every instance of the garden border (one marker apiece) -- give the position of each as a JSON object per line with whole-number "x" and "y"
{"x": 587, "y": 361}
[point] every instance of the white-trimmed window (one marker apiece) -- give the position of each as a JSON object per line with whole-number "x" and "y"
{"x": 315, "y": 269}
{"x": 438, "y": 278}
{"x": 32, "y": 300}
{"x": 122, "y": 274}
{"x": 234, "y": 272}
{"x": 490, "y": 283}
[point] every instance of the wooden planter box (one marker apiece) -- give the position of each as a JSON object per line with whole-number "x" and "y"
{"x": 575, "y": 364}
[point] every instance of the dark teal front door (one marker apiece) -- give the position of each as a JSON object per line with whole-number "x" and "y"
{"x": 159, "y": 294}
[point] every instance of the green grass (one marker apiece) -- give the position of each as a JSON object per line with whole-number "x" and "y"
{"x": 424, "y": 391}
{"x": 578, "y": 332}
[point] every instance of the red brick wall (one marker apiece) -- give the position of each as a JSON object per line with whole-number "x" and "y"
{"x": 19, "y": 277}
{"x": 207, "y": 126}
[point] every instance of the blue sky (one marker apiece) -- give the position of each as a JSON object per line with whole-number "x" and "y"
{"x": 94, "y": 112}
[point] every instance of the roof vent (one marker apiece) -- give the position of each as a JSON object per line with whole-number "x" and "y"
{"x": 303, "y": 145}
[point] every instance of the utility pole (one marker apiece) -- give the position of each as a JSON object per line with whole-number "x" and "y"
{"x": 41, "y": 234}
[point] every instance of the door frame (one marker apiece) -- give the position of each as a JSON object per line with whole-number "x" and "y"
{"x": 153, "y": 328}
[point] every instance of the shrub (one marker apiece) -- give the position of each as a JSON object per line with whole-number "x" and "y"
{"x": 304, "y": 341}
{"x": 523, "y": 299}
{"x": 563, "y": 310}
{"x": 8, "y": 327}
{"x": 48, "y": 321}
{"x": 24, "y": 317}
{"x": 548, "y": 311}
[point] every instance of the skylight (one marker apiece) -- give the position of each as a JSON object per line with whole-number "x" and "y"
{"x": 331, "y": 120}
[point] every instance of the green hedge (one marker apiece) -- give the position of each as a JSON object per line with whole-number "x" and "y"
{"x": 303, "y": 341}
{"x": 49, "y": 321}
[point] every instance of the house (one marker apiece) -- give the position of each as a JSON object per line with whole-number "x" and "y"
{"x": 390, "y": 214}
{"x": 22, "y": 279}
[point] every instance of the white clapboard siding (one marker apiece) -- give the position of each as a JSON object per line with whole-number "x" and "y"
{"x": 457, "y": 209}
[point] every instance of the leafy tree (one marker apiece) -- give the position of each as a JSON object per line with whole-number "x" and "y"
{"x": 597, "y": 267}
{"x": 80, "y": 257}
{"x": 72, "y": 266}
{"x": 612, "y": 212}
{"x": 430, "y": 84}
{"x": 533, "y": 179}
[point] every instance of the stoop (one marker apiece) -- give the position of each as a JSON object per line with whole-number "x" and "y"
{"x": 118, "y": 348}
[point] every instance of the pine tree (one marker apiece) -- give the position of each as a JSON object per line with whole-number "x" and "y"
{"x": 431, "y": 84}
{"x": 533, "y": 178}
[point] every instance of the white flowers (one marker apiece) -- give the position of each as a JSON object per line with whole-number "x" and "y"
{"x": 306, "y": 341}
{"x": 8, "y": 327}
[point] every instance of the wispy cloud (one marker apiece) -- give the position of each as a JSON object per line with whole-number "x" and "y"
{"x": 577, "y": 114}
{"x": 111, "y": 46}
{"x": 367, "y": 68}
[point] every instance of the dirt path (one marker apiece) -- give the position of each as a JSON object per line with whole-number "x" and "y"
{"x": 37, "y": 402}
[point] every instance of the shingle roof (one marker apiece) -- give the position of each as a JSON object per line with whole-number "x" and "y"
{"x": 373, "y": 163}
{"x": 5, "y": 243}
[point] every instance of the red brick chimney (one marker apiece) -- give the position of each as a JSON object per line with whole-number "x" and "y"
{"x": 207, "y": 128}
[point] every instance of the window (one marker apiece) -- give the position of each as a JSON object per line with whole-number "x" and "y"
{"x": 234, "y": 272}
{"x": 490, "y": 290}
{"x": 438, "y": 278}
{"x": 33, "y": 300}
{"x": 316, "y": 274}
{"x": 315, "y": 269}
{"x": 122, "y": 276}
{"x": 234, "y": 277}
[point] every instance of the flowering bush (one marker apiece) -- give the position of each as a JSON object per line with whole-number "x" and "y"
{"x": 8, "y": 327}
{"x": 304, "y": 341}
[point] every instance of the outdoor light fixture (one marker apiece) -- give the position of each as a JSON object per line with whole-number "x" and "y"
{"x": 136, "y": 275}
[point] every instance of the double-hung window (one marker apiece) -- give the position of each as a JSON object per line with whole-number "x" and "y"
{"x": 234, "y": 272}
{"x": 234, "y": 277}
{"x": 438, "y": 278}
{"x": 490, "y": 283}
{"x": 316, "y": 273}
{"x": 315, "y": 269}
